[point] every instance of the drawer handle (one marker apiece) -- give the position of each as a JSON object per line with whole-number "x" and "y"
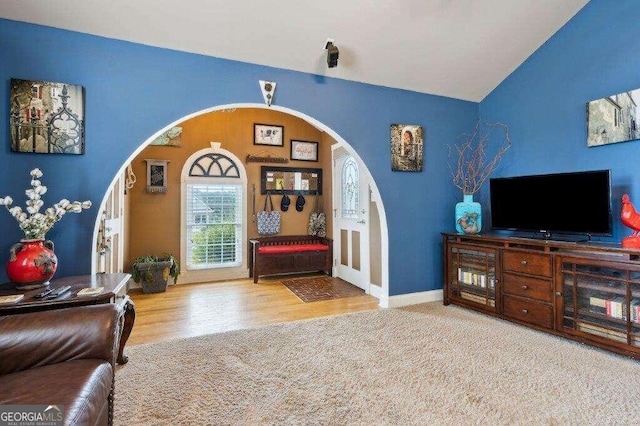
{"x": 525, "y": 311}
{"x": 524, "y": 287}
{"x": 524, "y": 262}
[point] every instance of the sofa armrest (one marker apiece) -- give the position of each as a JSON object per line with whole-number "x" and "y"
{"x": 49, "y": 337}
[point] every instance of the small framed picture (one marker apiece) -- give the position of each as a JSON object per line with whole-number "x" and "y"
{"x": 157, "y": 176}
{"x": 304, "y": 150}
{"x": 268, "y": 134}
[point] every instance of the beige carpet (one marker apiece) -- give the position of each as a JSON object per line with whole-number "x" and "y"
{"x": 421, "y": 366}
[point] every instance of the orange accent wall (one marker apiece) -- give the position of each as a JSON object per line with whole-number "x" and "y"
{"x": 155, "y": 218}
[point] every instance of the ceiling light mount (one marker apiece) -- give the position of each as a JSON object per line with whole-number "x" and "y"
{"x": 332, "y": 53}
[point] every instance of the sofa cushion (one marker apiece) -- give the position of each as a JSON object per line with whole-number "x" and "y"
{"x": 81, "y": 386}
{"x": 292, "y": 248}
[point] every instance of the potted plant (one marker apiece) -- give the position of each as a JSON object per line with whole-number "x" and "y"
{"x": 154, "y": 272}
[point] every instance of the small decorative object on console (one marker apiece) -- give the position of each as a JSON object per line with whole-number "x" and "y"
{"x": 631, "y": 218}
{"x": 472, "y": 169}
{"x": 32, "y": 261}
{"x": 90, "y": 291}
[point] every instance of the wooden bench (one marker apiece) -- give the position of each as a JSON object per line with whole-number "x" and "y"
{"x": 287, "y": 254}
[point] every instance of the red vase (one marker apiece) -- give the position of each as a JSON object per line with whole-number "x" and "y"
{"x": 31, "y": 264}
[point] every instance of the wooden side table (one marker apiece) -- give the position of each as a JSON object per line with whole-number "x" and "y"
{"x": 115, "y": 291}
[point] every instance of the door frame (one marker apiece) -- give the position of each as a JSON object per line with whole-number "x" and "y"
{"x": 375, "y": 193}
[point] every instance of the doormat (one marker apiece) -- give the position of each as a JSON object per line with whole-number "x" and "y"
{"x": 314, "y": 289}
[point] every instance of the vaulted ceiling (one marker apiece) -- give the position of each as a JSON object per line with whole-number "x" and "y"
{"x": 456, "y": 48}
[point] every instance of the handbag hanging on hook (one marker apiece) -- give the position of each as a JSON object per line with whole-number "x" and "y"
{"x": 268, "y": 220}
{"x": 317, "y": 220}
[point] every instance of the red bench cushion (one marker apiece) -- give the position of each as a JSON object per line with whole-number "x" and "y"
{"x": 292, "y": 248}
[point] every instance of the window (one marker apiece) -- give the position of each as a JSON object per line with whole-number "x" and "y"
{"x": 213, "y": 216}
{"x": 214, "y": 225}
{"x": 350, "y": 189}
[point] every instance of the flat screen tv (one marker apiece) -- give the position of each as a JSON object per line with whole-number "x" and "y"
{"x": 568, "y": 203}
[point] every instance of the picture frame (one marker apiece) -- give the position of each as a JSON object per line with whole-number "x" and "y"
{"x": 304, "y": 150}
{"x": 46, "y": 117}
{"x": 157, "y": 176}
{"x": 613, "y": 119}
{"x": 290, "y": 180}
{"x": 268, "y": 134}
{"x": 407, "y": 148}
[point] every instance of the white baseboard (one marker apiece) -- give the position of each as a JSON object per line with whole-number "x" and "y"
{"x": 411, "y": 299}
{"x": 375, "y": 291}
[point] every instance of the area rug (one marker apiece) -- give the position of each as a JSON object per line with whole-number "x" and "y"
{"x": 421, "y": 366}
{"x": 314, "y": 289}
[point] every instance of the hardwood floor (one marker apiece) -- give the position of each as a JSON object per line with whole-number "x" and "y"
{"x": 196, "y": 309}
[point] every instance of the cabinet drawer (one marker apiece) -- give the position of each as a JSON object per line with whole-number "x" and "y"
{"x": 525, "y": 310}
{"x": 527, "y": 263}
{"x": 533, "y": 288}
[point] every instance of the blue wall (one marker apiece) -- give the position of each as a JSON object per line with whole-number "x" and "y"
{"x": 544, "y": 101}
{"x": 132, "y": 91}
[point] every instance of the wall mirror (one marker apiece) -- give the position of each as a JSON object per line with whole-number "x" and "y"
{"x": 290, "y": 180}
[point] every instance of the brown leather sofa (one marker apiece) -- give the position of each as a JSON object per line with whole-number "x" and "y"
{"x": 63, "y": 357}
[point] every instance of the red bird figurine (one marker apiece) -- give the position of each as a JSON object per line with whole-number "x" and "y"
{"x": 631, "y": 218}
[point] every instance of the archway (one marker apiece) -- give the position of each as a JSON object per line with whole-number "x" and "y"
{"x": 384, "y": 238}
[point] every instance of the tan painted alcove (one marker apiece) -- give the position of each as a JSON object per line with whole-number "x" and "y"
{"x": 153, "y": 219}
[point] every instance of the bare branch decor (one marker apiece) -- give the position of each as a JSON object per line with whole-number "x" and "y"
{"x": 475, "y": 160}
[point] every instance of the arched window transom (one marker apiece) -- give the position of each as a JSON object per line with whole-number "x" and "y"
{"x": 214, "y": 165}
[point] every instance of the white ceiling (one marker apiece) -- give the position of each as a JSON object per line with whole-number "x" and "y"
{"x": 457, "y": 48}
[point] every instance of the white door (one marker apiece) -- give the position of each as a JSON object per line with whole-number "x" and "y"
{"x": 351, "y": 220}
{"x": 110, "y": 243}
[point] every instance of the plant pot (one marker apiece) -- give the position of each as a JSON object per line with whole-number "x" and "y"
{"x": 155, "y": 276}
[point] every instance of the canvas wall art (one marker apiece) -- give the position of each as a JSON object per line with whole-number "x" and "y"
{"x": 46, "y": 117}
{"x": 613, "y": 119}
{"x": 406, "y": 148}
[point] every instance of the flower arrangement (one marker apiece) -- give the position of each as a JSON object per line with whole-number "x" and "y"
{"x": 473, "y": 165}
{"x": 34, "y": 224}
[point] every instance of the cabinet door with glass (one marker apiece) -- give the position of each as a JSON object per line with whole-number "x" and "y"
{"x": 600, "y": 301}
{"x": 471, "y": 276}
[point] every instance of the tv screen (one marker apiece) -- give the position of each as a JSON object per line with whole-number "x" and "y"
{"x": 573, "y": 203}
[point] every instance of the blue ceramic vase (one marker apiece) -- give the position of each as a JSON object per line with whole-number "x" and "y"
{"x": 468, "y": 216}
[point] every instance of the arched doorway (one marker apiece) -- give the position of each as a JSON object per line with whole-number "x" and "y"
{"x": 381, "y": 223}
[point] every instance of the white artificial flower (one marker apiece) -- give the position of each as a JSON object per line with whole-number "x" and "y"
{"x": 35, "y": 225}
{"x": 31, "y": 194}
{"x": 15, "y": 211}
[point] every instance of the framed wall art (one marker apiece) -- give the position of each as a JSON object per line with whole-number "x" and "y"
{"x": 304, "y": 150}
{"x": 46, "y": 117}
{"x": 157, "y": 176}
{"x": 268, "y": 134}
{"x": 406, "y": 148}
{"x": 613, "y": 119}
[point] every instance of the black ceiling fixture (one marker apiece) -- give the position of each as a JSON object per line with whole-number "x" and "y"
{"x": 332, "y": 53}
